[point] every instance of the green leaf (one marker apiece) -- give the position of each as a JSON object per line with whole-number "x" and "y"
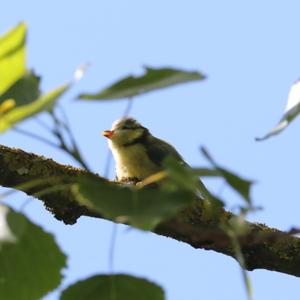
{"x": 186, "y": 178}
{"x": 23, "y": 91}
{"x": 152, "y": 79}
{"x": 181, "y": 174}
{"x": 240, "y": 185}
{"x": 142, "y": 208}
{"x": 30, "y": 260}
{"x": 113, "y": 287}
{"x": 206, "y": 172}
{"x": 291, "y": 111}
{"x": 26, "y": 111}
{"x": 12, "y": 56}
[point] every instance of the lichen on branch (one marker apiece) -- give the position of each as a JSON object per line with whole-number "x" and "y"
{"x": 262, "y": 247}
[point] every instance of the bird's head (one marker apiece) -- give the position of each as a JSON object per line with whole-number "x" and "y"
{"x": 125, "y": 132}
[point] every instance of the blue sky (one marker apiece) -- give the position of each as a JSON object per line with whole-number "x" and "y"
{"x": 250, "y": 53}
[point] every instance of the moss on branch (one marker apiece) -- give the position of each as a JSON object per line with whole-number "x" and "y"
{"x": 262, "y": 247}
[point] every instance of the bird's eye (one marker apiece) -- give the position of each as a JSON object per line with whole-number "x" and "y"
{"x": 126, "y": 127}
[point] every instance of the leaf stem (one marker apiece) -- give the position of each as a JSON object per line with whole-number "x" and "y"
{"x": 73, "y": 150}
{"x": 112, "y": 247}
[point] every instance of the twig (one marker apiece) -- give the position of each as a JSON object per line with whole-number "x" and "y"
{"x": 112, "y": 247}
{"x": 42, "y": 124}
{"x": 35, "y": 136}
{"x": 74, "y": 152}
{"x": 128, "y": 107}
{"x": 25, "y": 204}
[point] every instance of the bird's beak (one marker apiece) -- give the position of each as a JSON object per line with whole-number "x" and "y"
{"x": 107, "y": 133}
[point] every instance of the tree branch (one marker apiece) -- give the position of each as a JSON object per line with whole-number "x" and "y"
{"x": 262, "y": 247}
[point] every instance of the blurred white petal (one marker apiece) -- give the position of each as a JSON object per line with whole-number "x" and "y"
{"x": 5, "y": 233}
{"x": 291, "y": 111}
{"x": 78, "y": 74}
{"x": 294, "y": 96}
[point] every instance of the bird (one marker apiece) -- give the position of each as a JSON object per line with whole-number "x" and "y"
{"x": 137, "y": 153}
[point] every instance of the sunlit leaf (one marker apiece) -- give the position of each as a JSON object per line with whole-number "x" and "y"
{"x": 44, "y": 102}
{"x": 26, "y": 111}
{"x": 12, "y": 56}
{"x": 116, "y": 287}
{"x": 152, "y": 79}
{"x": 242, "y": 186}
{"x": 30, "y": 260}
{"x": 23, "y": 91}
{"x": 291, "y": 111}
{"x": 7, "y": 105}
{"x": 141, "y": 208}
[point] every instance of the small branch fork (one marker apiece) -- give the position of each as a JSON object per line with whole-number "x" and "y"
{"x": 61, "y": 132}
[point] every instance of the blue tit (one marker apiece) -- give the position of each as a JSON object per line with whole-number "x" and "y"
{"x": 137, "y": 153}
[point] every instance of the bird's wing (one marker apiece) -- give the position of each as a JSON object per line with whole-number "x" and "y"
{"x": 158, "y": 150}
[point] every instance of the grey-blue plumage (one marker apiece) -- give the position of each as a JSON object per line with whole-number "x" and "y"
{"x": 158, "y": 150}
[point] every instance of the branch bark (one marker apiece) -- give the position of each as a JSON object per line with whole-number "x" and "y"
{"x": 263, "y": 247}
